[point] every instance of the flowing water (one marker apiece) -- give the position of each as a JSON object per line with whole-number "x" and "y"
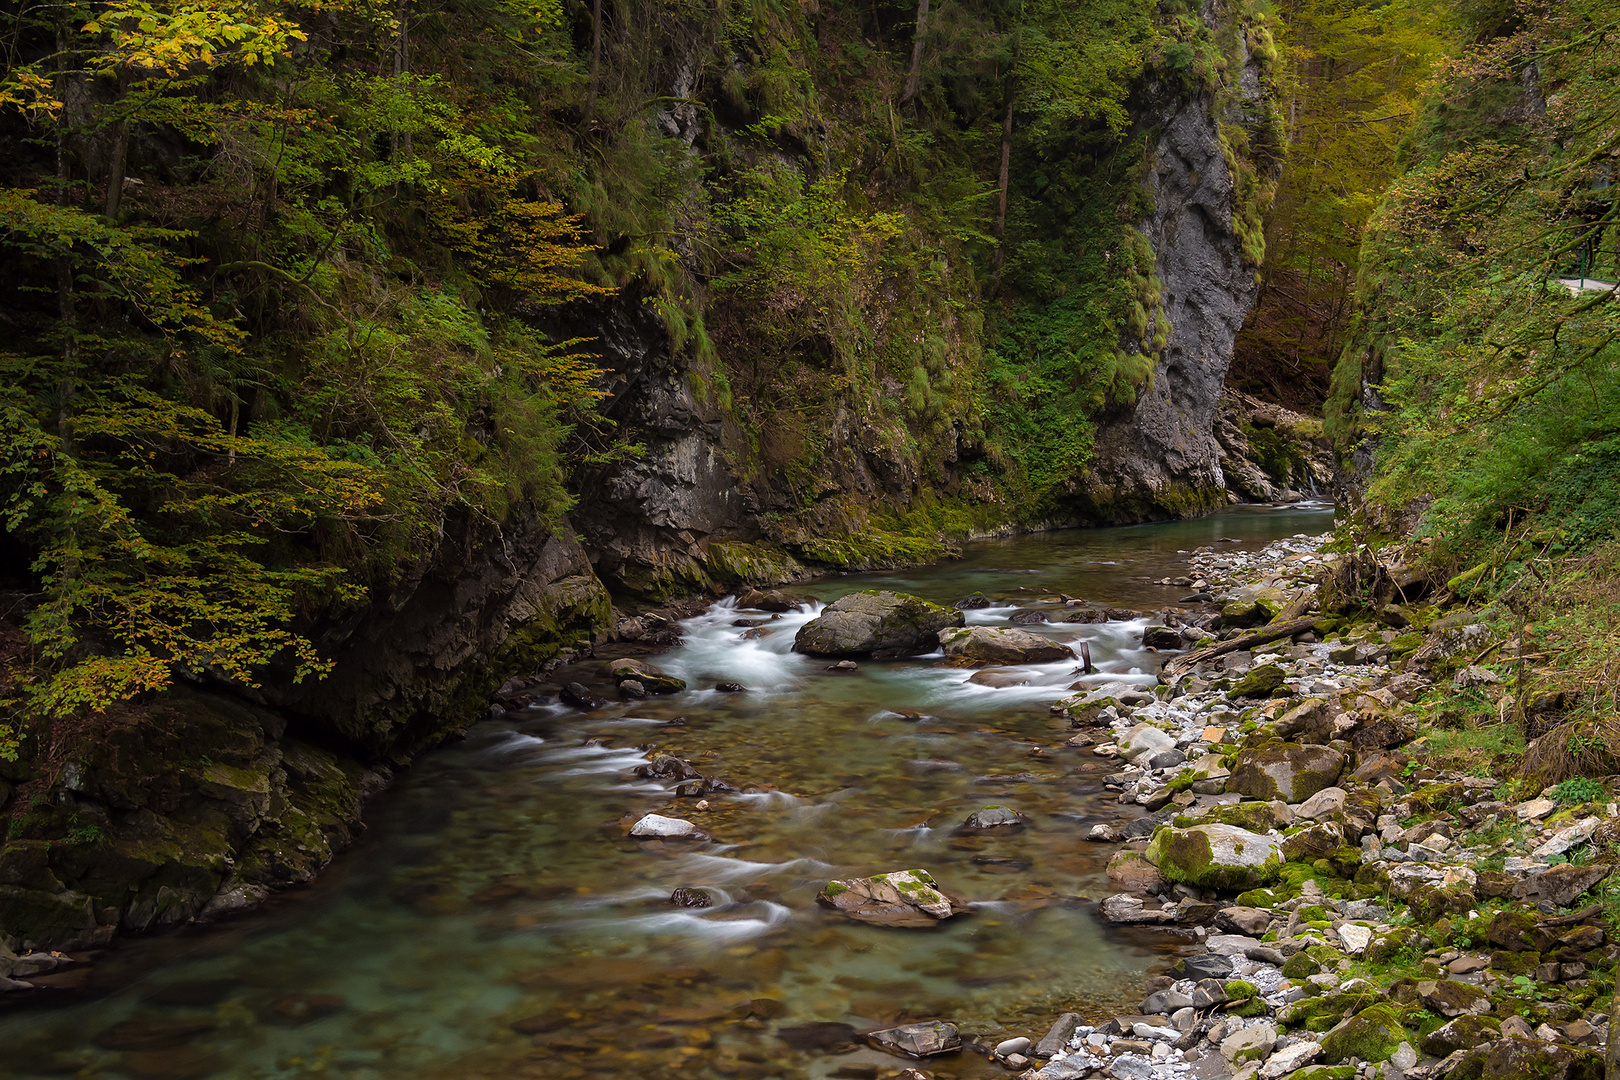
{"x": 496, "y": 921}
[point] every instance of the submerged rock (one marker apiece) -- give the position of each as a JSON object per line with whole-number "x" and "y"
{"x": 658, "y": 827}
{"x": 918, "y": 1040}
{"x": 876, "y": 621}
{"x": 994, "y": 817}
{"x": 899, "y": 898}
{"x": 690, "y": 898}
{"x": 1000, "y": 645}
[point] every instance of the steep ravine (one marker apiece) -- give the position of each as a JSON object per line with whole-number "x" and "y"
{"x": 205, "y": 800}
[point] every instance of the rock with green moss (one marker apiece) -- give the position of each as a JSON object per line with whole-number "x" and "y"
{"x": 1253, "y": 816}
{"x": 1291, "y": 772}
{"x": 1313, "y": 842}
{"x": 1463, "y": 1033}
{"x": 1260, "y": 682}
{"x": 876, "y": 621}
{"x": 1452, "y": 999}
{"x": 1372, "y": 1034}
{"x": 1215, "y": 856}
{"x": 1001, "y": 645}
{"x": 900, "y": 898}
{"x": 654, "y": 679}
{"x": 1532, "y": 1059}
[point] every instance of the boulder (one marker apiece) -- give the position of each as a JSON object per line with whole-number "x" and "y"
{"x": 1058, "y": 1035}
{"x": 1144, "y": 740}
{"x": 899, "y": 898}
{"x": 1327, "y": 801}
{"x": 1000, "y": 645}
{"x": 1452, "y": 999}
{"x": 1314, "y": 842}
{"x": 1250, "y": 1044}
{"x": 1463, "y": 1033}
{"x": 659, "y": 827}
{"x": 876, "y": 621}
{"x": 1518, "y": 1059}
{"x": 1122, "y": 909}
{"x": 1291, "y": 772}
{"x": 1373, "y": 1034}
{"x": 994, "y": 817}
{"x": 1289, "y": 1060}
{"x": 1215, "y": 856}
{"x": 1243, "y": 920}
{"x": 652, "y": 679}
{"x": 1162, "y": 637}
{"x": 918, "y": 1040}
{"x": 1260, "y": 682}
{"x": 1561, "y": 884}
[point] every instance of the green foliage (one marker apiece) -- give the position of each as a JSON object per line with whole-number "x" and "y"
{"x": 1579, "y": 789}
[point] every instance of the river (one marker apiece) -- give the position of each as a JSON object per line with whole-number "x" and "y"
{"x": 496, "y": 921}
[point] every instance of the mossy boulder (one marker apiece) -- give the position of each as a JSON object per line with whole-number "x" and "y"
{"x": 1260, "y": 682}
{"x": 1452, "y": 999}
{"x": 654, "y": 679}
{"x": 1532, "y": 1059}
{"x": 1001, "y": 645}
{"x": 1291, "y": 772}
{"x": 1463, "y": 1033}
{"x": 1215, "y": 856}
{"x": 1373, "y": 1034}
{"x": 1253, "y": 816}
{"x": 876, "y": 621}
{"x": 900, "y": 898}
{"x": 1313, "y": 842}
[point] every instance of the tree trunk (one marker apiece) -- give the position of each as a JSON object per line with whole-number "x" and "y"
{"x": 1002, "y": 184}
{"x": 596, "y": 61}
{"x": 914, "y": 76}
{"x": 118, "y": 159}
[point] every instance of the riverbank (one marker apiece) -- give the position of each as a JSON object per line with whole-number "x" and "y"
{"x": 1342, "y": 902}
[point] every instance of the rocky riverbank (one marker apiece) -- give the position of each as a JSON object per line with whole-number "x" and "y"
{"x": 1341, "y": 907}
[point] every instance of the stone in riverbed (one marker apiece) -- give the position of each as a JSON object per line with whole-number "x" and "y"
{"x": 1122, "y": 909}
{"x": 653, "y": 679}
{"x": 658, "y": 827}
{"x": 1144, "y": 740}
{"x": 876, "y": 621}
{"x": 918, "y": 1040}
{"x": 1561, "y": 884}
{"x": 1243, "y": 920}
{"x": 1249, "y": 1044}
{"x": 1452, "y": 999}
{"x": 579, "y": 696}
{"x": 1058, "y": 1035}
{"x": 999, "y": 645}
{"x": 1327, "y": 801}
{"x": 1129, "y": 870}
{"x": 1373, "y": 1034}
{"x": 900, "y": 898}
{"x": 994, "y": 817}
{"x": 1215, "y": 856}
{"x": 1291, "y": 772}
{"x": 690, "y": 898}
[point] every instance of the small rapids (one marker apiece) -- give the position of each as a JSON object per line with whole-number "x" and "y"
{"x": 497, "y": 921}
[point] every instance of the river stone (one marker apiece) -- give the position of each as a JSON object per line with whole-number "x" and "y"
{"x": 1243, "y": 920}
{"x": 653, "y": 679}
{"x": 691, "y": 898}
{"x": 1215, "y": 856}
{"x": 1327, "y": 801}
{"x": 995, "y": 817}
{"x": 1161, "y": 637}
{"x": 1463, "y": 1033}
{"x": 1561, "y": 884}
{"x": 1058, "y": 1035}
{"x": 918, "y": 1040}
{"x": 876, "y": 620}
{"x": 658, "y": 827}
{"x": 1208, "y": 966}
{"x": 1452, "y": 999}
{"x": 899, "y": 898}
{"x": 1000, "y": 645}
{"x": 1288, "y": 771}
{"x": 1519, "y": 1059}
{"x": 1288, "y": 1059}
{"x": 1122, "y": 909}
{"x": 1373, "y": 1034}
{"x": 1129, "y": 870}
{"x": 1317, "y": 841}
{"x": 1249, "y": 1044}
{"x": 1259, "y": 682}
{"x": 1144, "y": 740}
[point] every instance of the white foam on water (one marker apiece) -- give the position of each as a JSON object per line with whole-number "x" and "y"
{"x": 703, "y": 869}
{"x": 715, "y": 651}
{"x": 712, "y": 928}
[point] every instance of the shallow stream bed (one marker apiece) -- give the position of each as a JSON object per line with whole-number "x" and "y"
{"x": 496, "y": 921}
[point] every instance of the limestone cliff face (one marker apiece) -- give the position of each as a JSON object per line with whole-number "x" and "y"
{"x": 1159, "y": 458}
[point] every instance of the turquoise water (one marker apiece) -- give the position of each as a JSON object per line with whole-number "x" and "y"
{"x": 496, "y": 921}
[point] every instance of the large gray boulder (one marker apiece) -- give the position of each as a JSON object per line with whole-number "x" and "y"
{"x": 1001, "y": 645}
{"x": 876, "y": 621}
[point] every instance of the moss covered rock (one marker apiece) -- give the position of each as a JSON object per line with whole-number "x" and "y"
{"x": 1260, "y": 682}
{"x": 1373, "y": 1034}
{"x": 1001, "y": 645}
{"x": 876, "y": 621}
{"x": 1288, "y": 771}
{"x": 1253, "y": 816}
{"x": 1215, "y": 856}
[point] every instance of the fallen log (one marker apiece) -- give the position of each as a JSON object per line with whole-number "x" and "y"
{"x": 1270, "y": 632}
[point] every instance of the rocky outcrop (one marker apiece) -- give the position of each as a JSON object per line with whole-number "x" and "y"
{"x": 199, "y": 802}
{"x": 1159, "y": 457}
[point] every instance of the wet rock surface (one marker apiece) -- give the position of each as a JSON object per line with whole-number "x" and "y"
{"x": 876, "y": 621}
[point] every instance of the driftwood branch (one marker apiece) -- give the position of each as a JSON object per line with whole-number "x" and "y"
{"x": 1579, "y": 916}
{"x": 1280, "y": 628}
